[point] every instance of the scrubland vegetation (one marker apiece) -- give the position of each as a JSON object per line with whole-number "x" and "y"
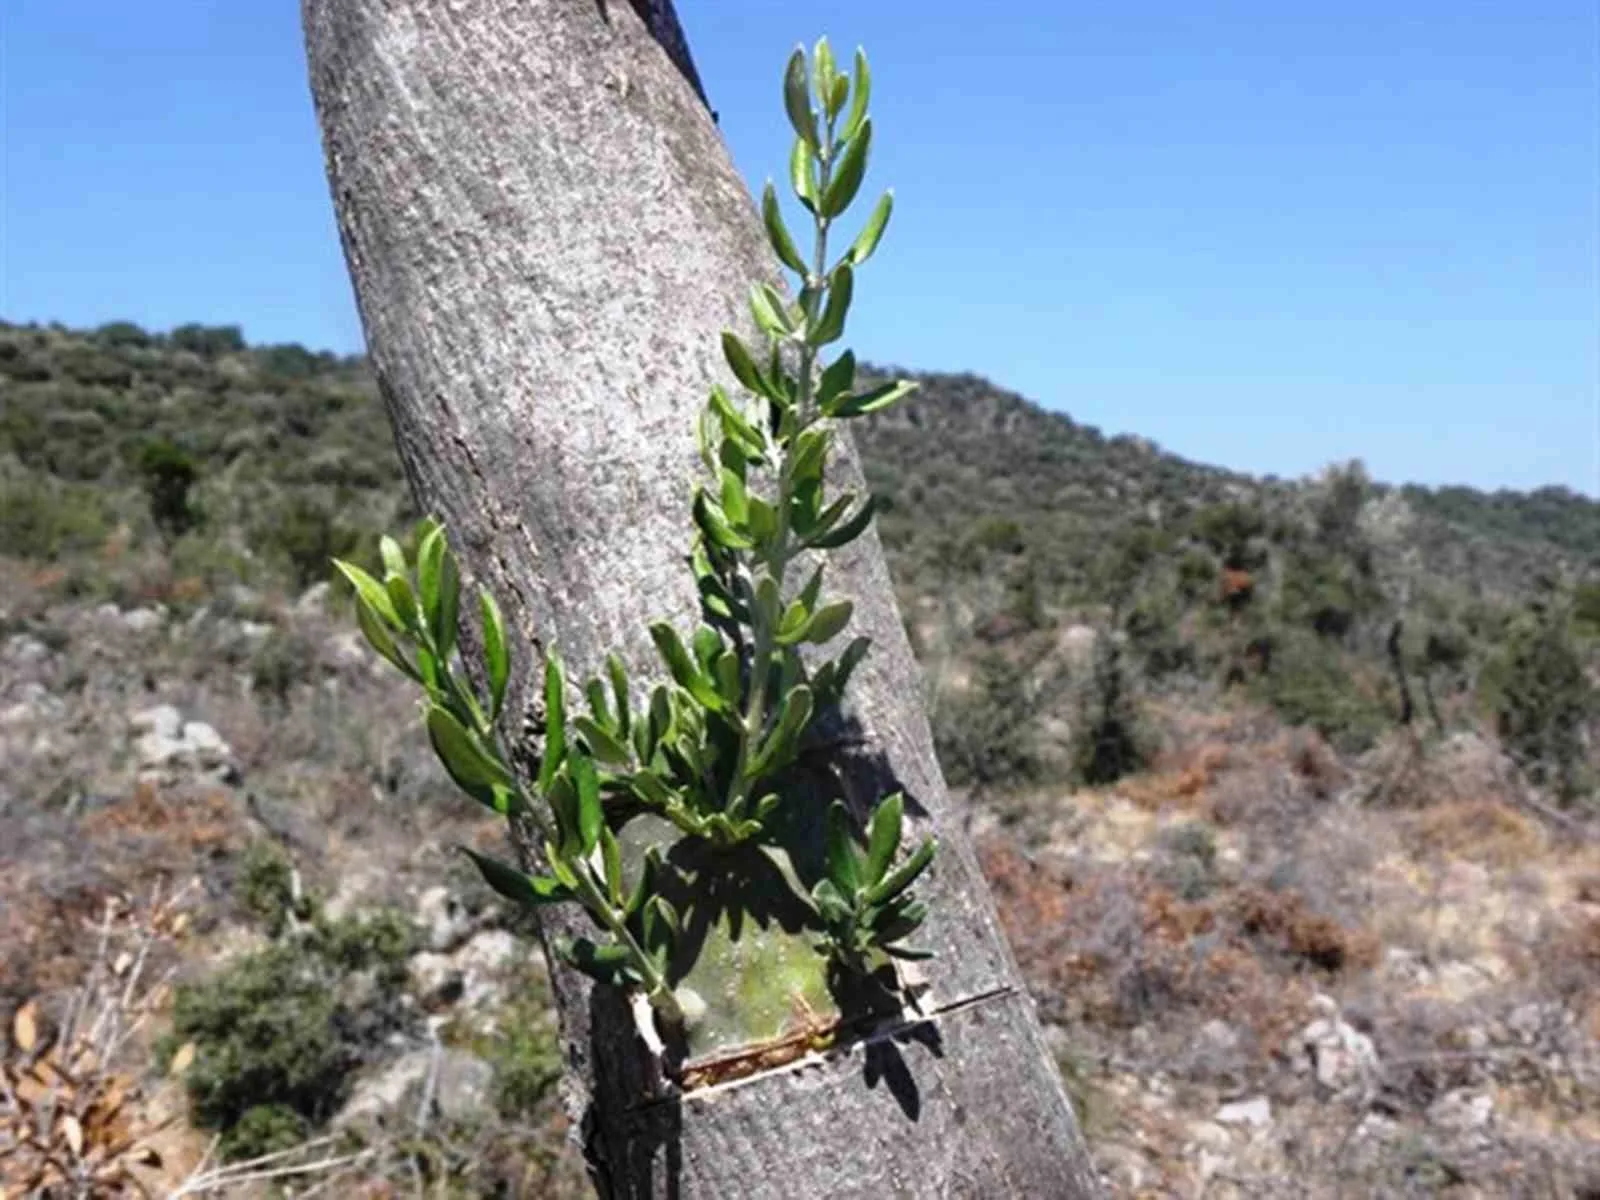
{"x": 1289, "y": 793}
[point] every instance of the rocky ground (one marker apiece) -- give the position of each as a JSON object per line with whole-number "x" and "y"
{"x": 1266, "y": 971}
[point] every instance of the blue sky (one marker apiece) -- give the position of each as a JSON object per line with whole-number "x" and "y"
{"x": 1265, "y": 235}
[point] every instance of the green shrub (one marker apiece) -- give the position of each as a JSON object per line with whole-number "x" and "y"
{"x": 306, "y": 536}
{"x": 169, "y": 474}
{"x": 46, "y": 521}
{"x": 1310, "y": 684}
{"x": 1189, "y": 860}
{"x": 264, "y": 1129}
{"x": 264, "y": 1030}
{"x": 985, "y": 736}
{"x": 265, "y": 885}
{"x": 1542, "y": 698}
{"x": 1107, "y": 740}
{"x": 279, "y": 1032}
{"x": 526, "y": 1050}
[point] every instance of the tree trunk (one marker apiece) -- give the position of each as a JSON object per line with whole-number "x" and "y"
{"x": 546, "y": 237}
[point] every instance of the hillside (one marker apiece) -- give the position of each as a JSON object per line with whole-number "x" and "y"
{"x": 1286, "y": 790}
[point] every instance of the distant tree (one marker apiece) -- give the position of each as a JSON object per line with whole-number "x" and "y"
{"x": 119, "y": 334}
{"x": 1544, "y": 698}
{"x": 169, "y": 475}
{"x": 1107, "y": 742}
{"x": 208, "y": 341}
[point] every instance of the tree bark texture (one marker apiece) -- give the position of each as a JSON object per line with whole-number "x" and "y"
{"x": 546, "y": 236}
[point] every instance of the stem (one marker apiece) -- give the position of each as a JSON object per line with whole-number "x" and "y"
{"x": 778, "y": 560}
{"x": 657, "y": 989}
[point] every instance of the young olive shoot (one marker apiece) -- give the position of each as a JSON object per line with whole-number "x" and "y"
{"x": 710, "y": 747}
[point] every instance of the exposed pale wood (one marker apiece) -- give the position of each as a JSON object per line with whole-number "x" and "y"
{"x": 546, "y": 236}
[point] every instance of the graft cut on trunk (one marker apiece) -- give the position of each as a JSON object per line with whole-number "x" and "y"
{"x": 546, "y": 238}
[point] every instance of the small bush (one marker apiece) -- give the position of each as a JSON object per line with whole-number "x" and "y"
{"x": 1189, "y": 865}
{"x": 984, "y": 736}
{"x": 1107, "y": 741}
{"x": 265, "y": 886}
{"x": 278, "y": 1033}
{"x": 169, "y": 474}
{"x": 1542, "y": 699}
{"x": 45, "y": 521}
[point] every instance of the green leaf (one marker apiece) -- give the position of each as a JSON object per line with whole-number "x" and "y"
{"x": 796, "y": 99}
{"x": 844, "y": 534}
{"x": 646, "y": 885}
{"x": 555, "y": 721}
{"x": 846, "y": 664}
{"x": 446, "y": 616}
{"x": 903, "y": 923}
{"x": 778, "y": 233}
{"x": 838, "y": 377}
{"x": 780, "y": 744}
{"x": 803, "y": 174}
{"x": 394, "y": 558}
{"x": 837, "y": 95}
{"x": 809, "y": 454}
{"x": 884, "y": 838}
{"x": 430, "y": 554}
{"x": 844, "y": 860}
{"x": 872, "y": 232}
{"x": 619, "y": 691}
{"x": 496, "y": 653}
{"x": 734, "y": 422}
{"x": 670, "y": 646}
{"x": 742, "y": 365}
{"x": 727, "y": 674}
{"x": 404, "y": 601}
{"x": 793, "y": 625}
{"x": 713, "y": 523}
{"x": 599, "y": 705}
{"x": 563, "y": 800}
{"x": 827, "y": 621}
{"x": 767, "y": 599}
{"x": 605, "y": 963}
{"x": 735, "y": 498}
{"x": 813, "y": 588}
{"x": 602, "y": 744}
{"x": 830, "y": 326}
{"x": 846, "y": 180}
{"x": 591, "y": 817}
{"x": 876, "y": 400}
{"x": 379, "y": 637}
{"x": 371, "y": 591}
{"x": 559, "y": 868}
{"x": 474, "y": 772}
{"x": 770, "y": 312}
{"x": 823, "y": 70}
{"x": 763, "y": 519}
{"x": 828, "y": 901}
{"x": 529, "y": 890}
{"x": 863, "y": 93}
{"x": 611, "y": 857}
{"x": 903, "y": 876}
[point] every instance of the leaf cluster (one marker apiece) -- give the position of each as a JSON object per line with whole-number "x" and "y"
{"x": 710, "y": 747}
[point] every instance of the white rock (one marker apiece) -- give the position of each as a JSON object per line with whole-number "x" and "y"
{"x": 143, "y": 620}
{"x": 1462, "y": 1110}
{"x": 205, "y": 744}
{"x": 1255, "y": 1112}
{"x": 445, "y": 921}
{"x": 23, "y": 650}
{"x": 1343, "y": 1058}
{"x": 314, "y": 600}
{"x": 437, "y": 981}
{"x": 163, "y": 719}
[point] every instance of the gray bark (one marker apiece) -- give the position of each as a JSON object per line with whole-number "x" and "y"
{"x": 546, "y": 236}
